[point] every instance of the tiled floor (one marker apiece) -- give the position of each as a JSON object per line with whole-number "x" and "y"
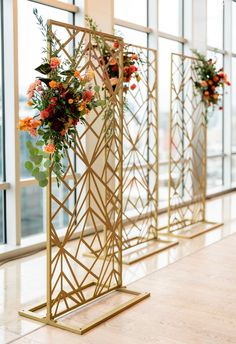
{"x": 192, "y": 301}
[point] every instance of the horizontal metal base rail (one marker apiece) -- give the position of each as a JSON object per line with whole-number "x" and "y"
{"x": 58, "y": 322}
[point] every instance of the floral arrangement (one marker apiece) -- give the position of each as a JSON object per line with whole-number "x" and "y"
{"x": 212, "y": 81}
{"x": 131, "y": 62}
{"x": 63, "y": 98}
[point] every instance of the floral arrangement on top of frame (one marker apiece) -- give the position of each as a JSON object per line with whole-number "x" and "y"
{"x": 211, "y": 80}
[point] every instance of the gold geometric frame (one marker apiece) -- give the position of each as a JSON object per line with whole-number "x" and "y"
{"x": 140, "y": 237}
{"x": 187, "y": 153}
{"x": 96, "y": 194}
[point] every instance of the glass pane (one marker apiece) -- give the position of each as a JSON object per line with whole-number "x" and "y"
{"x": 133, "y": 11}
{"x": 166, "y": 47}
{"x": 163, "y": 184}
{"x": 31, "y": 41}
{"x": 233, "y": 170}
{"x": 32, "y": 210}
{"x": 233, "y": 90}
{"x": 214, "y": 173}
{"x": 234, "y": 26}
{"x": 1, "y": 109}
{"x": 131, "y": 36}
{"x": 170, "y": 17}
{"x": 215, "y": 118}
{"x": 215, "y": 22}
{"x": 1, "y": 218}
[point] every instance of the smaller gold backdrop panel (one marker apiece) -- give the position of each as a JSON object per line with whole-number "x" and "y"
{"x": 89, "y": 198}
{"x": 187, "y": 160}
{"x": 140, "y": 154}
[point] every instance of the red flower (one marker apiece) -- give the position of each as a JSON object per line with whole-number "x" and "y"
{"x": 44, "y": 114}
{"x": 132, "y": 69}
{"x": 87, "y": 96}
{"x": 53, "y": 101}
{"x": 116, "y": 45}
{"x": 114, "y": 68}
{"x": 133, "y": 86}
{"x": 221, "y": 108}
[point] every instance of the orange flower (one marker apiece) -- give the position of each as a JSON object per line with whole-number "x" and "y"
{"x": 53, "y": 84}
{"x": 49, "y": 148}
{"x": 210, "y": 82}
{"x": 213, "y": 88}
{"x": 25, "y": 123}
{"x": 134, "y": 57}
{"x": 29, "y": 103}
{"x": 216, "y": 78}
{"x": 54, "y": 62}
{"x": 215, "y": 96}
{"x": 77, "y": 74}
{"x": 81, "y": 107}
{"x": 206, "y": 93}
{"x": 71, "y": 101}
{"x": 112, "y": 61}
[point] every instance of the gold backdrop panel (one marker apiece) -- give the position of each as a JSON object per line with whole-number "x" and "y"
{"x": 89, "y": 198}
{"x": 140, "y": 163}
{"x": 187, "y": 158}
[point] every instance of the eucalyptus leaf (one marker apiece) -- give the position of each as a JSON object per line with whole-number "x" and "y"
{"x": 29, "y": 166}
{"x": 47, "y": 163}
{"x": 96, "y": 88}
{"x": 43, "y": 183}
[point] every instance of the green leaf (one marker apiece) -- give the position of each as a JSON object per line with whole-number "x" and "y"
{"x": 40, "y": 143}
{"x": 100, "y": 102}
{"x": 66, "y": 72}
{"x": 43, "y": 183}
{"x": 29, "y": 144}
{"x": 44, "y": 68}
{"x": 41, "y": 176}
{"x": 96, "y": 88}
{"x": 37, "y": 159}
{"x": 29, "y": 166}
{"x": 47, "y": 163}
{"x": 45, "y": 80}
{"x": 35, "y": 172}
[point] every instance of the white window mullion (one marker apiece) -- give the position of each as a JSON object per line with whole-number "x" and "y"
{"x": 13, "y": 218}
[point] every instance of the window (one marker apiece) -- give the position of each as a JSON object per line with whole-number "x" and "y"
{"x": 215, "y": 23}
{"x": 132, "y": 11}
{"x": 30, "y": 40}
{"x": 170, "y": 17}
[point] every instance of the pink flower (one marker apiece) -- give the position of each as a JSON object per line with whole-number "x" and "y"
{"x": 49, "y": 148}
{"x": 44, "y": 114}
{"x": 35, "y": 86}
{"x": 114, "y": 81}
{"x": 204, "y": 83}
{"x": 54, "y": 62}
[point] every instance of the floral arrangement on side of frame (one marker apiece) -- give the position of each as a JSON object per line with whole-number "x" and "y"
{"x": 62, "y": 101}
{"x": 212, "y": 80}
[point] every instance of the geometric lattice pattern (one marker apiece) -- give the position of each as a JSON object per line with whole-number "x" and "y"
{"x": 90, "y": 195}
{"x": 187, "y": 162}
{"x": 140, "y": 154}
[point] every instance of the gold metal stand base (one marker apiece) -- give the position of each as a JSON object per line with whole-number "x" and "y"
{"x": 145, "y": 250}
{"x": 191, "y": 231}
{"x": 31, "y": 313}
{"x": 141, "y": 251}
